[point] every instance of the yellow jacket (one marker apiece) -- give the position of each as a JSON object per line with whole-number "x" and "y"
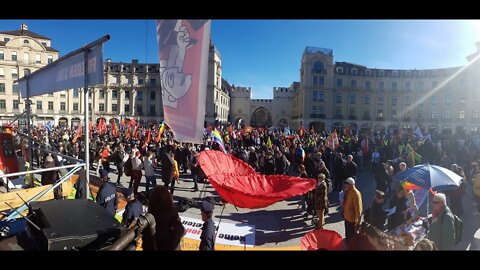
{"x": 352, "y": 206}
{"x": 476, "y": 185}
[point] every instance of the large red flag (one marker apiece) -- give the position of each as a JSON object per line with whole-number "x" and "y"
{"x": 238, "y": 183}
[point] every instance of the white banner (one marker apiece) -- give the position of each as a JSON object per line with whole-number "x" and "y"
{"x": 228, "y": 234}
{"x": 183, "y": 49}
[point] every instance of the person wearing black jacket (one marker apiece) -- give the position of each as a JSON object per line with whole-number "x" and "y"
{"x": 280, "y": 163}
{"x": 168, "y": 168}
{"x": 207, "y": 238}
{"x": 80, "y": 185}
{"x": 376, "y": 216}
{"x": 107, "y": 194}
{"x": 350, "y": 168}
{"x": 133, "y": 210}
{"x": 399, "y": 201}
{"x": 338, "y": 172}
{"x": 269, "y": 166}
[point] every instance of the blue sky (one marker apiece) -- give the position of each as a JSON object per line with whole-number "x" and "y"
{"x": 267, "y": 53}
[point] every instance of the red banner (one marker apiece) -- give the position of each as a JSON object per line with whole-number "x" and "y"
{"x": 183, "y": 50}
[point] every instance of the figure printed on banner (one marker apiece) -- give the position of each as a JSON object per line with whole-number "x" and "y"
{"x": 174, "y": 82}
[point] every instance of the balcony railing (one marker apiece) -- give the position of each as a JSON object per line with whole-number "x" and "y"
{"x": 366, "y": 118}
{"x": 407, "y": 119}
{"x": 315, "y": 116}
{"x": 338, "y": 116}
{"x": 319, "y": 71}
{"x": 352, "y": 117}
{"x": 379, "y": 118}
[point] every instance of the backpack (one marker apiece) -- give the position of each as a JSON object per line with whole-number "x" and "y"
{"x": 127, "y": 167}
{"x": 184, "y": 204}
{"x": 458, "y": 222}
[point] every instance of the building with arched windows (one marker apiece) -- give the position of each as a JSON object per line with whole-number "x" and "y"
{"x": 22, "y": 52}
{"x": 276, "y": 112}
{"x": 339, "y": 94}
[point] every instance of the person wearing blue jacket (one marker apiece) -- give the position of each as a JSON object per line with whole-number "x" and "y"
{"x": 107, "y": 194}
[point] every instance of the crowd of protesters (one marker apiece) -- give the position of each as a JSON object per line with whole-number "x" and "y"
{"x": 138, "y": 151}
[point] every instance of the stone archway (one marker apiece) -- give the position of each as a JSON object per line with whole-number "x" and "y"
{"x": 282, "y": 123}
{"x": 63, "y": 122}
{"x": 261, "y": 117}
{"x": 353, "y": 128}
{"x": 366, "y": 128}
{"x": 339, "y": 126}
{"x": 75, "y": 121}
{"x": 393, "y": 129}
{"x": 461, "y": 131}
{"x": 447, "y": 130}
{"x": 379, "y": 129}
{"x": 239, "y": 123}
{"x": 317, "y": 126}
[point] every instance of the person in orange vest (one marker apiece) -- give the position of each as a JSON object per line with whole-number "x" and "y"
{"x": 105, "y": 157}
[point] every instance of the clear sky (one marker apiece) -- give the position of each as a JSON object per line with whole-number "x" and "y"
{"x": 267, "y": 53}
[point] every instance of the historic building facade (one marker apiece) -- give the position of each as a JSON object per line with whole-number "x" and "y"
{"x": 23, "y": 52}
{"x": 130, "y": 89}
{"x": 275, "y": 112}
{"x": 338, "y": 94}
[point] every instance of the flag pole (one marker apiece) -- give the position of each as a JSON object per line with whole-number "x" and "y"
{"x": 29, "y": 127}
{"x": 87, "y": 132}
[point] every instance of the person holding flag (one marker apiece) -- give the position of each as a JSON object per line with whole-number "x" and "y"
{"x": 79, "y": 134}
{"x": 160, "y": 131}
{"x": 218, "y": 139}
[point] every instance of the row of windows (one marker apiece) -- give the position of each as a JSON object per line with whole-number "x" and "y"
{"x": 366, "y": 113}
{"x": 101, "y": 106}
{"x": 320, "y": 81}
{"x": 127, "y": 68}
{"x": 14, "y": 73}
{"x": 319, "y": 96}
{"x": 26, "y": 57}
{"x": 394, "y": 85}
{"x": 101, "y": 94}
{"x": 14, "y": 88}
{"x": 381, "y": 73}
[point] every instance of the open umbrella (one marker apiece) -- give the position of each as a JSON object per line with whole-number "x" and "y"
{"x": 322, "y": 239}
{"x": 431, "y": 177}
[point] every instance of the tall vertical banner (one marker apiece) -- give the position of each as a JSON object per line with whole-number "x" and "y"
{"x": 183, "y": 49}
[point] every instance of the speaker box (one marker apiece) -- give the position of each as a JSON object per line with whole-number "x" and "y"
{"x": 72, "y": 225}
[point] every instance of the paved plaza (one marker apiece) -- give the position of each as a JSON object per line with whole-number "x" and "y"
{"x": 282, "y": 224}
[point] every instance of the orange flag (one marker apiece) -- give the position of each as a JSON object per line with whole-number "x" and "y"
{"x": 79, "y": 133}
{"x": 114, "y": 129}
{"x": 147, "y": 139}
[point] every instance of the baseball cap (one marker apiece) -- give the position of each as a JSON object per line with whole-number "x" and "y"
{"x": 207, "y": 206}
{"x": 103, "y": 173}
{"x": 350, "y": 181}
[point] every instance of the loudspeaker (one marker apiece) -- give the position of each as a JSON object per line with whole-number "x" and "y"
{"x": 72, "y": 225}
